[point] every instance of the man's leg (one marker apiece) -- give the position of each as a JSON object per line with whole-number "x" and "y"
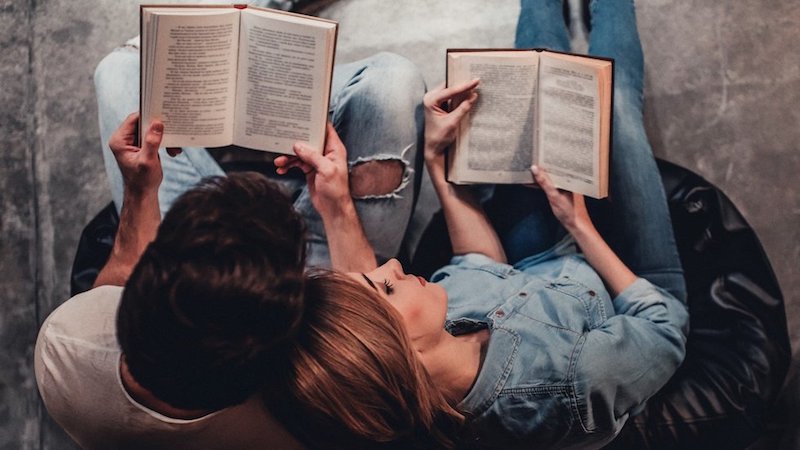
{"x": 376, "y": 109}
{"x": 117, "y": 86}
{"x": 638, "y": 226}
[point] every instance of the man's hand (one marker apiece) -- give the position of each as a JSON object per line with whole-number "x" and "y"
{"x": 326, "y": 174}
{"x": 140, "y": 166}
{"x": 441, "y": 126}
{"x": 140, "y": 215}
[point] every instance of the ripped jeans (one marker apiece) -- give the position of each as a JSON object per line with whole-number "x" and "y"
{"x": 375, "y": 108}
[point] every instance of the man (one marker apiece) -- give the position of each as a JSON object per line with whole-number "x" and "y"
{"x": 217, "y": 290}
{"x": 176, "y": 359}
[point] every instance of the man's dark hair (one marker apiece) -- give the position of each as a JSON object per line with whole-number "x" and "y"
{"x": 212, "y": 301}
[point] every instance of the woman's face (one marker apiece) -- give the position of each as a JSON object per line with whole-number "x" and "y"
{"x": 422, "y": 305}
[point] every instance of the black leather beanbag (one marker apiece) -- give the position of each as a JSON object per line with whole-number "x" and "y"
{"x": 738, "y": 349}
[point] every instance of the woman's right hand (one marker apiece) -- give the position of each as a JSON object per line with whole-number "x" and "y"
{"x": 327, "y": 173}
{"x": 569, "y": 208}
{"x": 440, "y": 125}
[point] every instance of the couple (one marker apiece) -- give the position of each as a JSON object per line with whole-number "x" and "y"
{"x": 522, "y": 341}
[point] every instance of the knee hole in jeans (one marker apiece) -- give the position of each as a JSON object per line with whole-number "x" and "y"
{"x": 376, "y": 177}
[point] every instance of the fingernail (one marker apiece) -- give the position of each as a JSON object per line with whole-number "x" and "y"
{"x": 535, "y": 169}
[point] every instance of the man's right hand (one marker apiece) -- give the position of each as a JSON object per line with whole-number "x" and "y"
{"x": 140, "y": 166}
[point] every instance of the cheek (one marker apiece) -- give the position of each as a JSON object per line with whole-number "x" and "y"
{"x": 414, "y": 313}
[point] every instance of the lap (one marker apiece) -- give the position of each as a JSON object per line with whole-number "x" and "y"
{"x": 374, "y": 107}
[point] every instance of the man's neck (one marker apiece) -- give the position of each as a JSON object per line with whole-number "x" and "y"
{"x": 146, "y": 398}
{"x": 454, "y": 363}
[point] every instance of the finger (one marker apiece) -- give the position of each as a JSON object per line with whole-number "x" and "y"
{"x": 464, "y": 107}
{"x": 543, "y": 180}
{"x": 283, "y": 160}
{"x": 282, "y": 170}
{"x": 124, "y": 132}
{"x": 174, "y": 151}
{"x": 308, "y": 156}
{"x": 130, "y": 123}
{"x": 437, "y": 97}
{"x": 429, "y": 98}
{"x": 152, "y": 139}
{"x": 578, "y": 200}
{"x": 333, "y": 142}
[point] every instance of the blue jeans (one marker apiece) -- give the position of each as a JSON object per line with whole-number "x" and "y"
{"x": 375, "y": 108}
{"x": 635, "y": 221}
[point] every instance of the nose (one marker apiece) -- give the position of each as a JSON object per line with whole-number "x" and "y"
{"x": 396, "y": 268}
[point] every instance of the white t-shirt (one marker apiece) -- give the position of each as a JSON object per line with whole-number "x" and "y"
{"x": 77, "y": 369}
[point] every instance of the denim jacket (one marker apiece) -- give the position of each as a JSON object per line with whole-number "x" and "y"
{"x": 565, "y": 365}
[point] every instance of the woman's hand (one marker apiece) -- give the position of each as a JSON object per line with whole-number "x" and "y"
{"x": 327, "y": 179}
{"x": 326, "y": 174}
{"x": 569, "y": 208}
{"x": 441, "y": 126}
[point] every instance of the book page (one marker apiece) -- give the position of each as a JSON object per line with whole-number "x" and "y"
{"x": 193, "y": 75}
{"x": 495, "y": 140}
{"x": 284, "y": 81}
{"x": 569, "y": 126}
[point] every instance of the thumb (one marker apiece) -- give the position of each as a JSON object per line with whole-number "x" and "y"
{"x": 152, "y": 141}
{"x": 464, "y": 107}
{"x": 307, "y": 155}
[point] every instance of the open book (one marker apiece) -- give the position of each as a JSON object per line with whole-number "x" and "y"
{"x": 236, "y": 75}
{"x": 534, "y": 107}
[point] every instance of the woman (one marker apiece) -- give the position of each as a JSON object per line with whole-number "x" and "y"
{"x": 556, "y": 349}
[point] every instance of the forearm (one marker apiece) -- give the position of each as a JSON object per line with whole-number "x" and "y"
{"x": 469, "y": 229}
{"x": 616, "y": 275}
{"x": 139, "y": 221}
{"x": 349, "y": 249}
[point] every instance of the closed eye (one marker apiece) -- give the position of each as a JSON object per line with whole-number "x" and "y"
{"x": 388, "y": 287}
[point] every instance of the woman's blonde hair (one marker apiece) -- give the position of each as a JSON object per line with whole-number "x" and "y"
{"x": 353, "y": 380}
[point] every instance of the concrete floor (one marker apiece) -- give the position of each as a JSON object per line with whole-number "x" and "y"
{"x": 723, "y": 82}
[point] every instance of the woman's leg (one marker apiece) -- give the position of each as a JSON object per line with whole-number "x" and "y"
{"x": 638, "y": 226}
{"x": 521, "y": 216}
{"x": 541, "y": 25}
{"x": 117, "y": 86}
{"x": 375, "y": 108}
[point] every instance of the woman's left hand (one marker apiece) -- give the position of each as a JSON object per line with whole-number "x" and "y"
{"x": 326, "y": 174}
{"x": 440, "y": 125}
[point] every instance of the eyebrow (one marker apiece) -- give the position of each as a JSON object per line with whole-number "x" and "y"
{"x": 370, "y": 282}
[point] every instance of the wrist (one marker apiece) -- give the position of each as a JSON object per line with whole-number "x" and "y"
{"x": 139, "y": 195}
{"x": 582, "y": 230}
{"x": 342, "y": 209}
{"x": 433, "y": 158}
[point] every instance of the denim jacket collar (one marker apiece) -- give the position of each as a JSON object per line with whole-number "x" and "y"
{"x": 497, "y": 364}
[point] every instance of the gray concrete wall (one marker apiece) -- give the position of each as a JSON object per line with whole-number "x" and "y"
{"x": 723, "y": 81}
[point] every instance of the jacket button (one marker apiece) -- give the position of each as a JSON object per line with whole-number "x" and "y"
{"x": 592, "y": 293}
{"x": 499, "y": 313}
{"x": 523, "y": 294}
